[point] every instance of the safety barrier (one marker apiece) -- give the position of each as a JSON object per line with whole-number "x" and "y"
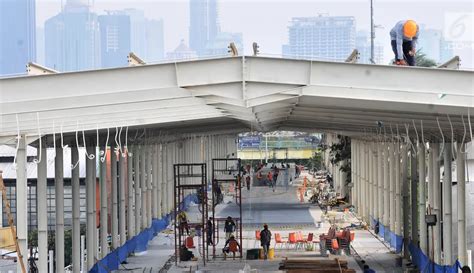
{"x": 424, "y": 264}
{"x": 395, "y": 241}
{"x": 139, "y": 242}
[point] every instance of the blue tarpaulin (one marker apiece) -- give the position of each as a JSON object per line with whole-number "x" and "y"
{"x": 386, "y": 235}
{"x": 139, "y": 242}
{"x": 381, "y": 230}
{"x": 396, "y": 242}
{"x": 425, "y": 265}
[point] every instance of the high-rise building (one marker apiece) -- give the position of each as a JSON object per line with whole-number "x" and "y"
{"x": 219, "y": 45}
{"x": 114, "y": 39}
{"x": 363, "y": 46}
{"x": 17, "y": 35}
{"x": 72, "y": 38}
{"x": 137, "y": 31}
{"x": 322, "y": 37}
{"x": 181, "y": 52}
{"x": 155, "y": 46}
{"x": 40, "y": 46}
{"x": 204, "y": 24}
{"x": 432, "y": 43}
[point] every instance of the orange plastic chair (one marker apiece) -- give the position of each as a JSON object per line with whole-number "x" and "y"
{"x": 233, "y": 248}
{"x": 190, "y": 242}
{"x": 257, "y": 237}
{"x": 278, "y": 240}
{"x": 334, "y": 244}
{"x": 292, "y": 240}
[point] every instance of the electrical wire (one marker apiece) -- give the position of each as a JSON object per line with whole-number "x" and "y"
{"x": 62, "y": 141}
{"x": 126, "y": 142}
{"x": 442, "y": 136}
{"x": 103, "y": 153}
{"x": 73, "y": 166}
{"x": 89, "y": 156}
{"x": 470, "y": 128}
{"x": 54, "y": 140}
{"x": 463, "y": 137}
{"x": 38, "y": 160}
{"x": 453, "y": 145}
{"x": 18, "y": 137}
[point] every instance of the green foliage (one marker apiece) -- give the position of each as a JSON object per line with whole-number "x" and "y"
{"x": 422, "y": 60}
{"x": 341, "y": 152}
{"x": 315, "y": 162}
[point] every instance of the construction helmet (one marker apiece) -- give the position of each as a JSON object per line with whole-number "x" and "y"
{"x": 409, "y": 29}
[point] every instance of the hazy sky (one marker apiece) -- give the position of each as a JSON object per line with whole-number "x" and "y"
{"x": 266, "y": 21}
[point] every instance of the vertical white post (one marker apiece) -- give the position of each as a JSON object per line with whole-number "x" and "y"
{"x": 422, "y": 197}
{"x": 392, "y": 185}
{"x": 398, "y": 200}
{"x": 104, "y": 225}
{"x": 22, "y": 201}
{"x": 59, "y": 195}
{"x": 154, "y": 206}
{"x": 149, "y": 181}
{"x": 447, "y": 206}
{"x": 386, "y": 186}
{"x": 144, "y": 187}
{"x": 159, "y": 182}
{"x": 461, "y": 196}
{"x": 164, "y": 175}
{"x": 138, "y": 202}
{"x": 114, "y": 219}
{"x": 51, "y": 261}
{"x": 371, "y": 182}
{"x": 91, "y": 229}
{"x": 122, "y": 184}
{"x": 380, "y": 181}
{"x": 405, "y": 196}
{"x": 83, "y": 254}
{"x": 436, "y": 203}
{"x": 42, "y": 201}
{"x": 130, "y": 205}
{"x": 76, "y": 212}
{"x": 431, "y": 186}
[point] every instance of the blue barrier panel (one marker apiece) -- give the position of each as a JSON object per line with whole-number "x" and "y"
{"x": 381, "y": 230}
{"x": 112, "y": 260}
{"x": 426, "y": 266}
{"x": 396, "y": 242}
{"x": 373, "y": 222}
{"x": 386, "y": 235}
{"x": 122, "y": 253}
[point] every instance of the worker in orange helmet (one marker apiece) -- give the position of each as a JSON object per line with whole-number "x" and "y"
{"x": 404, "y": 36}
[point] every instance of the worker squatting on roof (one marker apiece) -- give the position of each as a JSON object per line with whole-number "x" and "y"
{"x": 404, "y": 36}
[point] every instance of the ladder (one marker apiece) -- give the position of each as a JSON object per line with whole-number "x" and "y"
{"x": 10, "y": 222}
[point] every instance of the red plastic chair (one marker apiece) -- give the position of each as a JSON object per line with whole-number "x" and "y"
{"x": 292, "y": 240}
{"x": 278, "y": 240}
{"x": 257, "y": 237}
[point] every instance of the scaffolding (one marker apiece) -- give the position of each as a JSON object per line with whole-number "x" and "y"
{"x": 190, "y": 179}
{"x": 226, "y": 172}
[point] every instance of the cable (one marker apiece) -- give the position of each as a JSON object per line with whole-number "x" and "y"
{"x": 116, "y": 148}
{"x": 416, "y": 132}
{"x": 463, "y": 137}
{"x": 38, "y": 160}
{"x": 89, "y": 156}
{"x": 470, "y": 128}
{"x": 126, "y": 142}
{"x": 73, "y": 166}
{"x": 18, "y": 137}
{"x": 442, "y": 135}
{"x": 453, "y": 146}
{"x": 54, "y": 140}
{"x": 103, "y": 153}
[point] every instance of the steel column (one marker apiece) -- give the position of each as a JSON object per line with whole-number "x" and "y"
{"x": 149, "y": 182}
{"x": 437, "y": 203}
{"x": 461, "y": 204}
{"x": 42, "y": 201}
{"x": 386, "y": 186}
{"x": 76, "y": 212}
{"x": 159, "y": 182}
{"x": 398, "y": 185}
{"x": 130, "y": 205}
{"x": 104, "y": 213}
{"x": 447, "y": 206}
{"x": 22, "y": 201}
{"x": 392, "y": 185}
{"x": 138, "y": 208}
{"x": 59, "y": 198}
{"x": 154, "y": 170}
{"x": 422, "y": 197}
{"x": 405, "y": 196}
{"x": 91, "y": 229}
{"x": 380, "y": 181}
{"x": 143, "y": 183}
{"x": 114, "y": 219}
{"x": 122, "y": 184}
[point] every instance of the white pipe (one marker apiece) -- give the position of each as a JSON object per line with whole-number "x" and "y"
{"x": 76, "y": 213}
{"x": 447, "y": 206}
{"x": 143, "y": 184}
{"x": 149, "y": 181}
{"x": 369, "y": 160}
{"x": 380, "y": 180}
{"x": 90, "y": 211}
{"x": 159, "y": 182}
{"x": 122, "y": 184}
{"x": 130, "y": 205}
{"x": 138, "y": 208}
{"x": 422, "y": 197}
{"x": 392, "y": 186}
{"x": 461, "y": 198}
{"x": 51, "y": 261}
{"x": 104, "y": 246}
{"x": 22, "y": 201}
{"x": 398, "y": 200}
{"x": 83, "y": 253}
{"x": 431, "y": 186}
{"x": 436, "y": 204}
{"x": 405, "y": 196}
{"x": 59, "y": 198}
{"x": 42, "y": 201}
{"x": 386, "y": 186}
{"x": 154, "y": 206}
{"x": 114, "y": 219}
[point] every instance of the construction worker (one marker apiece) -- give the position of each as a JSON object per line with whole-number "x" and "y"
{"x": 227, "y": 247}
{"x": 404, "y": 36}
{"x": 265, "y": 240}
{"x": 183, "y": 222}
{"x": 210, "y": 231}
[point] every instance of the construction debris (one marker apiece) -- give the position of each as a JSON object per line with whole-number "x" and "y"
{"x": 315, "y": 266}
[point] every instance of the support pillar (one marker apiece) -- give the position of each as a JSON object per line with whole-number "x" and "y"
{"x": 122, "y": 184}
{"x": 154, "y": 206}
{"x": 138, "y": 208}
{"x": 422, "y": 198}
{"x": 386, "y": 186}
{"x": 59, "y": 198}
{"x": 144, "y": 187}
{"x": 104, "y": 213}
{"x": 76, "y": 212}
{"x": 436, "y": 203}
{"x": 398, "y": 186}
{"x": 42, "y": 201}
{"x": 164, "y": 179}
{"x": 405, "y": 195}
{"x": 149, "y": 181}
{"x": 130, "y": 205}
{"x": 447, "y": 206}
{"x": 414, "y": 235}
{"x": 380, "y": 181}
{"x": 91, "y": 229}
{"x": 430, "y": 210}
{"x": 392, "y": 186}
{"x": 114, "y": 219}
{"x": 159, "y": 182}
{"x": 461, "y": 204}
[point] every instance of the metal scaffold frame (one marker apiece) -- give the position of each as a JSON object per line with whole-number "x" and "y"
{"x": 187, "y": 180}
{"x": 223, "y": 172}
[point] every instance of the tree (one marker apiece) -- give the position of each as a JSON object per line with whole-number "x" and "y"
{"x": 422, "y": 60}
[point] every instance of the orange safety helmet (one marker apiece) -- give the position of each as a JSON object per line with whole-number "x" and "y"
{"x": 410, "y": 28}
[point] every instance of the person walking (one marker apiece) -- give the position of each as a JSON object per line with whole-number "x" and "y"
{"x": 229, "y": 227}
{"x": 210, "y": 231}
{"x": 276, "y": 171}
{"x": 265, "y": 240}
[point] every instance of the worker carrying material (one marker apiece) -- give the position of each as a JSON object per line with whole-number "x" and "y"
{"x": 404, "y": 36}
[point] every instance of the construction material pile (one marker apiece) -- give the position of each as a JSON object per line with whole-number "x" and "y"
{"x": 315, "y": 266}
{"x": 323, "y": 192}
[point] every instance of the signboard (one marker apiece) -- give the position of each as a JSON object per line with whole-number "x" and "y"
{"x": 249, "y": 142}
